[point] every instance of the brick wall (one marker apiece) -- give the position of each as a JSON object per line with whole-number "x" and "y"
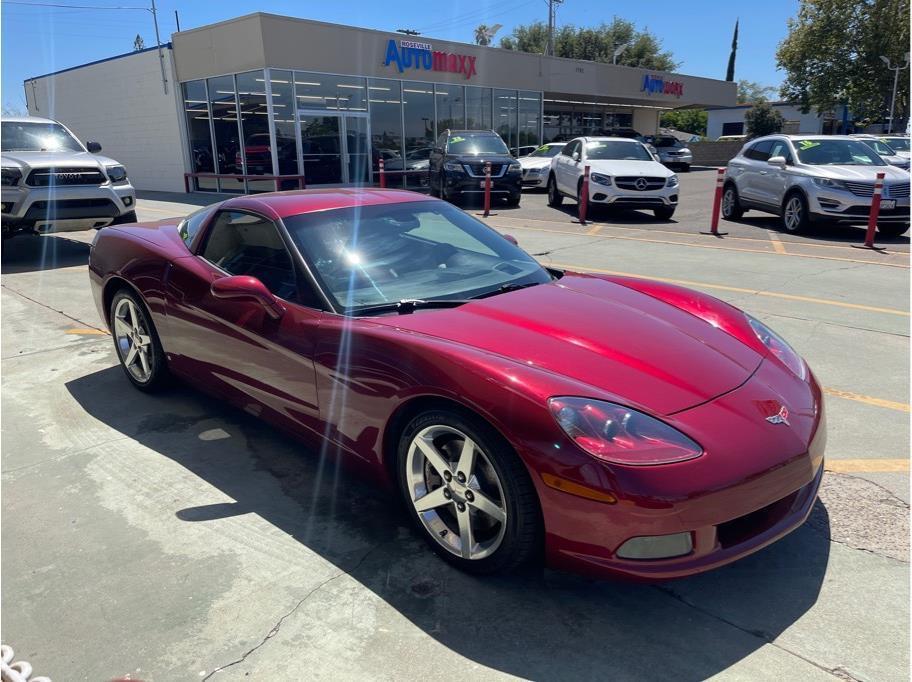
{"x": 120, "y": 104}
{"x": 714, "y": 153}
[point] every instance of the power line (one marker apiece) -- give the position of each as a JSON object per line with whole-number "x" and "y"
{"x": 61, "y": 6}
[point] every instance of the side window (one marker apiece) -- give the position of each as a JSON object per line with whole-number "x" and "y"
{"x": 190, "y": 226}
{"x": 441, "y": 141}
{"x": 760, "y": 151}
{"x": 568, "y": 149}
{"x": 246, "y": 244}
{"x": 780, "y": 148}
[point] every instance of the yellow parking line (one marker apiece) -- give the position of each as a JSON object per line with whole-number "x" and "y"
{"x": 778, "y": 246}
{"x": 740, "y": 290}
{"x": 87, "y": 332}
{"x": 170, "y": 214}
{"x": 867, "y": 466}
{"x": 878, "y": 402}
{"x": 594, "y": 230}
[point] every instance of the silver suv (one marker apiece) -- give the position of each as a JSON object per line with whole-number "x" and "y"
{"x": 806, "y": 178}
{"x": 51, "y": 183}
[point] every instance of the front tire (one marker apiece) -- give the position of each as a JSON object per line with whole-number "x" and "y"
{"x": 664, "y": 213}
{"x": 731, "y": 204}
{"x": 892, "y": 229}
{"x": 514, "y": 199}
{"x": 555, "y": 198}
{"x": 795, "y": 217}
{"x": 128, "y": 217}
{"x": 468, "y": 493}
{"x": 136, "y": 342}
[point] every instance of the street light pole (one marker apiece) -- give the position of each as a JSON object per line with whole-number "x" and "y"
{"x": 895, "y": 70}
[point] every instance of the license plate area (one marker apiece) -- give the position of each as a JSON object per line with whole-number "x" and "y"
{"x": 482, "y": 184}
{"x": 888, "y": 203}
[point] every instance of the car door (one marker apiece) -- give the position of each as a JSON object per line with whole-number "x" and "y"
{"x": 233, "y": 347}
{"x": 755, "y": 162}
{"x": 566, "y": 168}
{"x": 772, "y": 181}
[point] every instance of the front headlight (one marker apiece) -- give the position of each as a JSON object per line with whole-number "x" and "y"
{"x": 453, "y": 167}
{"x": 672, "y": 181}
{"x": 515, "y": 167}
{"x": 829, "y": 184}
{"x": 11, "y": 177}
{"x": 534, "y": 171}
{"x": 600, "y": 179}
{"x": 117, "y": 173}
{"x": 618, "y": 434}
{"x": 779, "y": 347}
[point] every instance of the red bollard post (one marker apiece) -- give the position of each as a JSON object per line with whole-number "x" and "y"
{"x": 487, "y": 189}
{"x": 382, "y": 175}
{"x": 875, "y": 212}
{"x": 584, "y": 197}
{"x": 717, "y": 204}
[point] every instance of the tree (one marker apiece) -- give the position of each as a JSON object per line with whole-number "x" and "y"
{"x": 484, "y": 34}
{"x": 594, "y": 44}
{"x": 749, "y": 92}
{"x": 762, "y": 119}
{"x": 730, "y": 72}
{"x": 832, "y": 56}
{"x": 688, "y": 120}
{"x": 139, "y": 43}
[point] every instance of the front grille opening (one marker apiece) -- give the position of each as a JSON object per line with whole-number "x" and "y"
{"x": 743, "y": 528}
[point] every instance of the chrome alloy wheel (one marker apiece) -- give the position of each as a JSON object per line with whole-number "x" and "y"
{"x": 134, "y": 342}
{"x": 456, "y": 492}
{"x": 728, "y": 202}
{"x": 792, "y": 216}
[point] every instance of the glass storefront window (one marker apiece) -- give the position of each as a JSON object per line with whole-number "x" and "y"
{"x": 386, "y": 124}
{"x": 224, "y": 112}
{"x": 418, "y": 112}
{"x": 450, "y": 107}
{"x": 478, "y": 108}
{"x": 505, "y": 111}
{"x": 322, "y": 91}
{"x": 529, "y": 118}
{"x": 199, "y": 135}
{"x": 283, "y": 114}
{"x": 256, "y": 155}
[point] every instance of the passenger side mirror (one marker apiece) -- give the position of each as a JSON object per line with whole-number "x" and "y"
{"x": 510, "y": 238}
{"x": 575, "y": 156}
{"x": 246, "y": 288}
{"x": 93, "y": 147}
{"x": 777, "y": 161}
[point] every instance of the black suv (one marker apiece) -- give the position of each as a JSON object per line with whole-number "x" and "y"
{"x": 457, "y": 166}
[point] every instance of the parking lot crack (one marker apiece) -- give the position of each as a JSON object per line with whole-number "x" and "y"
{"x": 59, "y": 312}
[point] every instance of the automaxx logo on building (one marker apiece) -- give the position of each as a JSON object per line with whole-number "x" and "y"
{"x": 656, "y": 85}
{"x": 411, "y": 55}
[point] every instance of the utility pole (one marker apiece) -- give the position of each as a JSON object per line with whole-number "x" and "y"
{"x": 895, "y": 70}
{"x": 161, "y": 56}
{"x": 552, "y": 11}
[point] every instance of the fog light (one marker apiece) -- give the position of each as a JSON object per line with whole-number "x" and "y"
{"x": 656, "y": 546}
{"x": 7, "y": 206}
{"x": 128, "y": 201}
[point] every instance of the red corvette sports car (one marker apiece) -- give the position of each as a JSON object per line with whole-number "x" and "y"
{"x": 610, "y": 425}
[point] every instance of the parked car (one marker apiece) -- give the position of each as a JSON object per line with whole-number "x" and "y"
{"x": 52, "y": 183}
{"x": 416, "y": 162}
{"x": 884, "y": 151}
{"x": 537, "y": 165}
{"x": 672, "y": 152}
{"x": 673, "y": 435}
{"x": 731, "y": 138}
{"x": 808, "y": 178}
{"x": 520, "y": 152}
{"x": 624, "y": 174}
{"x": 457, "y": 166}
{"x": 898, "y": 143}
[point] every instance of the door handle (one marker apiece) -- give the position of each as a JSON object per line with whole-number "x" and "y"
{"x": 763, "y": 172}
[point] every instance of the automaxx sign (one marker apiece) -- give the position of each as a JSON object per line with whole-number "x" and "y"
{"x": 409, "y": 54}
{"x": 656, "y": 85}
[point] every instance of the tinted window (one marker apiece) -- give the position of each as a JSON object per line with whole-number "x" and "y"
{"x": 899, "y": 144}
{"x": 667, "y": 142}
{"x": 37, "y": 137}
{"x": 759, "y": 151}
{"x": 190, "y": 226}
{"x": 617, "y": 151}
{"x": 823, "y": 152}
{"x": 781, "y": 148}
{"x": 245, "y": 244}
{"x": 476, "y": 143}
{"x": 570, "y": 149}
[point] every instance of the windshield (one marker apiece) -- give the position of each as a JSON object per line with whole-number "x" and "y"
{"x": 548, "y": 150}
{"x": 836, "y": 153}
{"x": 881, "y": 148}
{"x": 472, "y": 143}
{"x": 617, "y": 150}
{"x": 667, "y": 142}
{"x": 37, "y": 137}
{"x": 900, "y": 144}
{"x": 419, "y": 250}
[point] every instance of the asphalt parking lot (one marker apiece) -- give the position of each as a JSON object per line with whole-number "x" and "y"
{"x": 168, "y": 537}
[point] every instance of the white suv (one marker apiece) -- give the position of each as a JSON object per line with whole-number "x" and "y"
{"x": 806, "y": 178}
{"x": 623, "y": 174}
{"x": 52, "y": 183}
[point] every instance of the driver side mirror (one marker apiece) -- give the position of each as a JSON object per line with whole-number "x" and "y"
{"x": 777, "y": 161}
{"x": 575, "y": 156}
{"x": 246, "y": 288}
{"x": 510, "y": 238}
{"x": 93, "y": 147}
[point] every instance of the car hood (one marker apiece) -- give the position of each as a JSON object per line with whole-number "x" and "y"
{"x": 645, "y": 168}
{"x": 859, "y": 173}
{"x": 631, "y": 346}
{"x": 535, "y": 162}
{"x": 51, "y": 159}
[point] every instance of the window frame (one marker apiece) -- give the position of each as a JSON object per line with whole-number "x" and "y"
{"x": 750, "y": 150}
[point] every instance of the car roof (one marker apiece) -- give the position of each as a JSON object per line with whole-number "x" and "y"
{"x": 27, "y": 119}
{"x": 285, "y": 204}
{"x": 601, "y": 138}
{"x": 471, "y": 132}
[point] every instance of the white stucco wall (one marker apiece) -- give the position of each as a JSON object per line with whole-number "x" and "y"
{"x": 120, "y": 103}
{"x": 809, "y": 123}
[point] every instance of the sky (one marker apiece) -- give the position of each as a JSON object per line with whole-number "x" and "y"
{"x": 38, "y": 39}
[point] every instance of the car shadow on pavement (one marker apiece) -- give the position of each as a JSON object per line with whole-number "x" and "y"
{"x": 827, "y": 232}
{"x": 535, "y": 625}
{"x": 614, "y": 216}
{"x": 29, "y": 252}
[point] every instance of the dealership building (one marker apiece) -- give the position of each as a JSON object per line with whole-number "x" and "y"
{"x": 266, "y": 95}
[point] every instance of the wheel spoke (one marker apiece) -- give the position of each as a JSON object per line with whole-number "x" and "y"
{"x": 466, "y": 459}
{"x": 466, "y": 538}
{"x": 486, "y": 505}
{"x": 121, "y": 328}
{"x": 134, "y": 317}
{"x": 144, "y": 340}
{"x": 131, "y": 355}
{"x": 430, "y": 453}
{"x": 144, "y": 361}
{"x": 433, "y": 499}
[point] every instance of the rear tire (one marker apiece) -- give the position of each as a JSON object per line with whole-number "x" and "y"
{"x": 795, "y": 217}
{"x": 555, "y": 198}
{"x": 731, "y": 204}
{"x": 892, "y": 229}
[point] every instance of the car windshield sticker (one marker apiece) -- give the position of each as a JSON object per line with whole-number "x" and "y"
{"x": 807, "y": 144}
{"x": 457, "y": 139}
{"x": 543, "y": 148}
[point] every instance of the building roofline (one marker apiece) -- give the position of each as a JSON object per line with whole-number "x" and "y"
{"x": 779, "y": 103}
{"x": 97, "y": 61}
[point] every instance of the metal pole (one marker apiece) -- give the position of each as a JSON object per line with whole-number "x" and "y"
{"x": 177, "y": 21}
{"x": 161, "y": 56}
{"x": 549, "y": 49}
{"x": 893, "y": 99}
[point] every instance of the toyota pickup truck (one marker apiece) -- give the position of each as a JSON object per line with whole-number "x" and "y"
{"x": 52, "y": 183}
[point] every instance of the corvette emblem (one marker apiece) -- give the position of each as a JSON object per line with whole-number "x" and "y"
{"x": 780, "y": 417}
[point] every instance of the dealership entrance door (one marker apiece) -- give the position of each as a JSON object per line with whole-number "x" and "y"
{"x": 335, "y": 147}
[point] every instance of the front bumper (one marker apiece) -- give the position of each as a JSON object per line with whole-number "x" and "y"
{"x": 535, "y": 178}
{"x": 844, "y": 207}
{"x": 64, "y": 208}
{"x": 756, "y": 485}
{"x": 610, "y": 195}
{"x": 681, "y": 160}
{"x": 508, "y": 185}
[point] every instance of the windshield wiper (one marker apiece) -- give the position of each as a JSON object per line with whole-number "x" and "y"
{"x": 406, "y": 306}
{"x": 512, "y": 286}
